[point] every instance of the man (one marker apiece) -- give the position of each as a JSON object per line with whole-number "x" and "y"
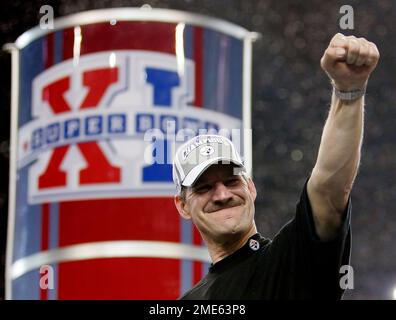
{"x": 303, "y": 260}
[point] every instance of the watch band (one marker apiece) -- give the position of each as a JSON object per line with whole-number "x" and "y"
{"x": 349, "y": 95}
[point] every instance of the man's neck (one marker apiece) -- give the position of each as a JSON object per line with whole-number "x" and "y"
{"x": 219, "y": 251}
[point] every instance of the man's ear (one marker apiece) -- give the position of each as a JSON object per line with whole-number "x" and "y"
{"x": 182, "y": 207}
{"x": 252, "y": 188}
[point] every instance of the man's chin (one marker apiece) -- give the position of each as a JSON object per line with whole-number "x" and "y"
{"x": 229, "y": 233}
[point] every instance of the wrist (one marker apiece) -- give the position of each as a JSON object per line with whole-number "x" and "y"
{"x": 348, "y": 87}
{"x": 349, "y": 93}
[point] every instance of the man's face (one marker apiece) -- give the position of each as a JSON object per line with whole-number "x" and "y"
{"x": 220, "y": 203}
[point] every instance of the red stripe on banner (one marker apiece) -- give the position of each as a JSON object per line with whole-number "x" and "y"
{"x": 197, "y": 266}
{"x": 68, "y": 41}
{"x": 118, "y": 219}
{"x": 120, "y": 278}
{"x": 198, "y": 58}
{"x": 152, "y": 36}
{"x": 43, "y": 294}
{"x": 49, "y": 51}
{"x": 44, "y": 226}
{"x": 44, "y": 239}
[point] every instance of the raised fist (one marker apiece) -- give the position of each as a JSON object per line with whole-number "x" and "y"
{"x": 349, "y": 61}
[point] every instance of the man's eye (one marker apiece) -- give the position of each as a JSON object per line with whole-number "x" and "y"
{"x": 202, "y": 189}
{"x": 232, "y": 182}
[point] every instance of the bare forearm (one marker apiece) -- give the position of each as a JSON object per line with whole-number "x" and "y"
{"x": 339, "y": 152}
{"x": 348, "y": 61}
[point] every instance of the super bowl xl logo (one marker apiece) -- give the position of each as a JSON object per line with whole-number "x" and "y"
{"x": 86, "y": 136}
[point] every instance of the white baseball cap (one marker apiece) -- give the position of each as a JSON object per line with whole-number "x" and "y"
{"x": 198, "y": 154}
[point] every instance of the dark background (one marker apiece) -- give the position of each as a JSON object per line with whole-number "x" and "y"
{"x": 291, "y": 96}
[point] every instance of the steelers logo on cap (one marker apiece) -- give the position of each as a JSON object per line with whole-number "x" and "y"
{"x": 206, "y": 150}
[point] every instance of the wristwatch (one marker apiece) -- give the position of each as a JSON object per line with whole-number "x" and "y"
{"x": 349, "y": 95}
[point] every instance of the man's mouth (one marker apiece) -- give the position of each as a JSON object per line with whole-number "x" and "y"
{"x": 223, "y": 208}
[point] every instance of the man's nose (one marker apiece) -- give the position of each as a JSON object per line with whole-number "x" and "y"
{"x": 221, "y": 192}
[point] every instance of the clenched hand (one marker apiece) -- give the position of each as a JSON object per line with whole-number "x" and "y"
{"x": 349, "y": 61}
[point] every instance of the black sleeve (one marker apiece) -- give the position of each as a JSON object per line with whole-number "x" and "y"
{"x": 304, "y": 267}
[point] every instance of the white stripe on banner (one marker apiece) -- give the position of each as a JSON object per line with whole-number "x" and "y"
{"x": 110, "y": 249}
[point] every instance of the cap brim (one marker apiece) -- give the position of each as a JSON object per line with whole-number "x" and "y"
{"x": 196, "y": 172}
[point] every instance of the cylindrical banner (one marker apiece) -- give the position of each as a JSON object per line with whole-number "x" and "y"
{"x": 98, "y": 104}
